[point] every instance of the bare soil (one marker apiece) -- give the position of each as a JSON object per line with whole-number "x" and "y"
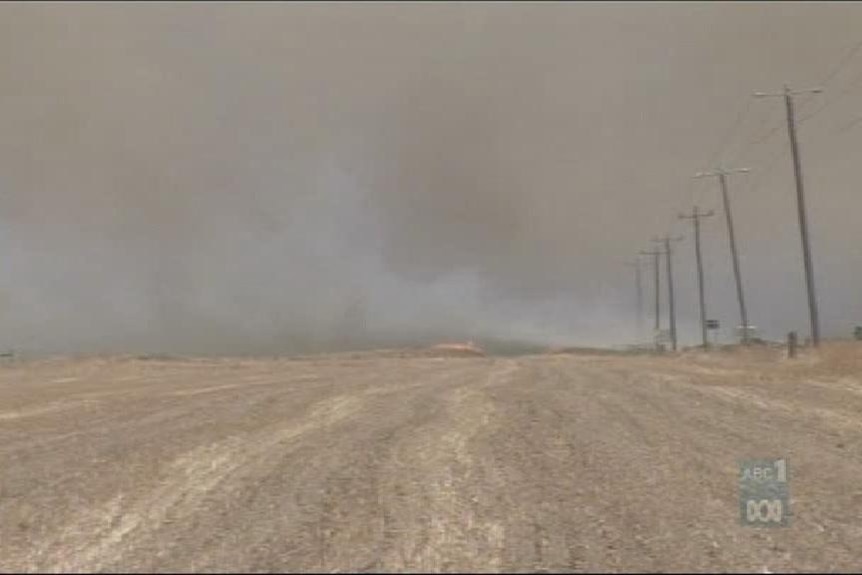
{"x": 400, "y": 462}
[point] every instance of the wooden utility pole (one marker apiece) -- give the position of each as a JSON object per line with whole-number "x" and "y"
{"x": 695, "y": 217}
{"x": 639, "y": 297}
{"x": 722, "y": 174}
{"x": 666, "y": 240}
{"x": 787, "y": 94}
{"x": 656, "y": 254}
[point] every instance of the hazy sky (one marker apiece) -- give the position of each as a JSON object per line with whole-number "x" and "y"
{"x": 232, "y": 178}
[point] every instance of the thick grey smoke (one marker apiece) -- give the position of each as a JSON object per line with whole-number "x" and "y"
{"x": 264, "y": 178}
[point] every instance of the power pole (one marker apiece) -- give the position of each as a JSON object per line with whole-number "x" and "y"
{"x": 656, "y": 254}
{"x": 695, "y": 217}
{"x": 636, "y": 264}
{"x": 722, "y": 174}
{"x": 666, "y": 240}
{"x": 800, "y": 205}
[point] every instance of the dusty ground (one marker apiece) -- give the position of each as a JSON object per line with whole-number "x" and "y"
{"x": 541, "y": 463}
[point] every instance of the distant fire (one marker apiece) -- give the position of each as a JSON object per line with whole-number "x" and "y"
{"x": 466, "y": 348}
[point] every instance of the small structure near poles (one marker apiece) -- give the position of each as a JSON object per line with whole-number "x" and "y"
{"x": 791, "y": 344}
{"x": 661, "y": 337}
{"x": 747, "y": 334}
{"x": 713, "y": 326}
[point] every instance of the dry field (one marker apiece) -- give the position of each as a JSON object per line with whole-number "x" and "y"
{"x": 393, "y": 462}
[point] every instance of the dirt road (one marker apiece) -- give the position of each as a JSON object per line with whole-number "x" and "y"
{"x": 540, "y": 463}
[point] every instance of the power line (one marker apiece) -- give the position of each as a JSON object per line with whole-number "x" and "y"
{"x": 752, "y": 143}
{"x": 760, "y": 140}
{"x": 822, "y": 107}
{"x": 747, "y": 146}
{"x": 843, "y": 62}
{"x": 668, "y": 253}
{"x": 639, "y": 299}
{"x": 840, "y": 65}
{"x": 731, "y": 132}
{"x": 847, "y": 88}
{"x": 831, "y": 76}
{"x": 656, "y": 254}
{"x": 695, "y": 218}
{"x": 787, "y": 94}
{"x": 847, "y": 127}
{"x": 854, "y": 82}
{"x": 766, "y": 170}
{"x": 804, "y": 101}
{"x": 737, "y": 275}
{"x": 686, "y": 191}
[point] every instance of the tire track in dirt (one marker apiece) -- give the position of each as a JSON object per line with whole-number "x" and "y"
{"x": 48, "y": 409}
{"x": 438, "y": 524}
{"x": 130, "y": 522}
{"x": 529, "y": 464}
{"x": 97, "y": 537}
{"x": 709, "y": 431}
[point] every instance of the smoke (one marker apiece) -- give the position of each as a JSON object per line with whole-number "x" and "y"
{"x": 274, "y": 178}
